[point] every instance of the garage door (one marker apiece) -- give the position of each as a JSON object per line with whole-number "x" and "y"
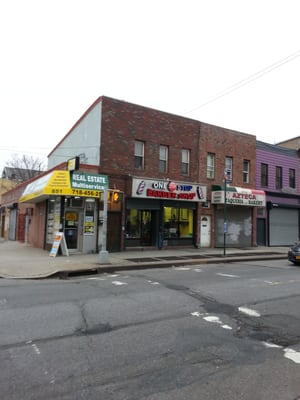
{"x": 239, "y": 227}
{"x": 283, "y": 226}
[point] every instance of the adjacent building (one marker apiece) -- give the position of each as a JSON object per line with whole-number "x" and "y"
{"x": 232, "y": 208}
{"x": 9, "y": 223}
{"x": 277, "y": 173}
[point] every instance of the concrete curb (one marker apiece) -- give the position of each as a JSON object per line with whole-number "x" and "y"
{"x": 94, "y": 268}
{"x": 164, "y": 264}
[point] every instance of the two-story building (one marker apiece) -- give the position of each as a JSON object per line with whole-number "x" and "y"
{"x": 232, "y": 206}
{"x": 277, "y": 173}
{"x": 165, "y": 182}
{"x": 151, "y": 157}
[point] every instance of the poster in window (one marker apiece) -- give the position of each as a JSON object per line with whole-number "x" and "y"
{"x": 89, "y": 225}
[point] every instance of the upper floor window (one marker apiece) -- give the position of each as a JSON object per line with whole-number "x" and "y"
{"x": 139, "y": 154}
{"x": 278, "y": 178}
{"x": 210, "y": 166}
{"x": 228, "y": 168}
{"x": 246, "y": 171}
{"x": 163, "y": 158}
{"x": 292, "y": 178}
{"x": 185, "y": 161}
{"x": 264, "y": 178}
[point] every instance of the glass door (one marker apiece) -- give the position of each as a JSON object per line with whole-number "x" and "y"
{"x": 71, "y": 228}
{"x": 141, "y": 227}
{"x": 146, "y": 226}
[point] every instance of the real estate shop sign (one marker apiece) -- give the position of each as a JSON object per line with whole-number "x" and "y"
{"x": 83, "y": 182}
{"x": 167, "y": 190}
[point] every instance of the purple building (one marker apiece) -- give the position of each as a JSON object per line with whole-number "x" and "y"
{"x": 277, "y": 173}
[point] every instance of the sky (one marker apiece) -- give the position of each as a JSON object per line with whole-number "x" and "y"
{"x": 231, "y": 63}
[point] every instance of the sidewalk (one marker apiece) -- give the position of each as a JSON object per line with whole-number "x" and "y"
{"x": 22, "y": 261}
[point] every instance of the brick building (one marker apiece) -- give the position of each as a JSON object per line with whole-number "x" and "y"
{"x": 165, "y": 179}
{"x": 221, "y": 149}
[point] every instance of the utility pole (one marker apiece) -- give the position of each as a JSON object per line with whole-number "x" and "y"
{"x": 226, "y": 176}
{"x": 103, "y": 255}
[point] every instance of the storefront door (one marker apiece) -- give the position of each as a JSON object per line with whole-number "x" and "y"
{"x": 73, "y": 230}
{"x": 2, "y": 225}
{"x": 142, "y": 228}
{"x": 146, "y": 228}
{"x": 12, "y": 224}
{"x": 205, "y": 231}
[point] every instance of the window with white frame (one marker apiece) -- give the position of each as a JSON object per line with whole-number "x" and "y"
{"x": 210, "y": 166}
{"x": 185, "y": 161}
{"x": 163, "y": 158}
{"x": 138, "y": 154}
{"x": 228, "y": 168}
{"x": 246, "y": 171}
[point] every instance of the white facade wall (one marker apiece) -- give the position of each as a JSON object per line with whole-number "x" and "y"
{"x": 84, "y": 141}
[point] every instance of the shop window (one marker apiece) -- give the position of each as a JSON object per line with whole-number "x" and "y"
{"x": 53, "y": 219}
{"x": 89, "y": 217}
{"x": 76, "y": 202}
{"x": 178, "y": 223}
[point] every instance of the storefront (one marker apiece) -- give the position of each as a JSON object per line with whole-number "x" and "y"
{"x": 162, "y": 213}
{"x": 282, "y": 220}
{"x": 235, "y": 217}
{"x": 71, "y": 201}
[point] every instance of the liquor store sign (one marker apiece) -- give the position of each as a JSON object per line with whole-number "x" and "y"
{"x": 168, "y": 190}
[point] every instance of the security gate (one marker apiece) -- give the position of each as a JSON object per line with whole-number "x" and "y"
{"x": 283, "y": 226}
{"x": 12, "y": 224}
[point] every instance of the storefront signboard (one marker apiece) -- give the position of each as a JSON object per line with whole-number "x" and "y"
{"x": 85, "y": 181}
{"x": 168, "y": 190}
{"x": 59, "y": 241}
{"x": 239, "y": 196}
{"x": 64, "y": 183}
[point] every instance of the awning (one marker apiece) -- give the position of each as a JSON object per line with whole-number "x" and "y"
{"x": 238, "y": 196}
{"x": 64, "y": 183}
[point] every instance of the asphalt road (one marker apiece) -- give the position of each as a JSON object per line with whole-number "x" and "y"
{"x": 224, "y": 331}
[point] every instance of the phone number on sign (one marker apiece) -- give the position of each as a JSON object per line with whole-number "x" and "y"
{"x": 92, "y": 193}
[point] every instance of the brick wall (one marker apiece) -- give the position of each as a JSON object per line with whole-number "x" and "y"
{"x": 227, "y": 143}
{"x": 123, "y": 123}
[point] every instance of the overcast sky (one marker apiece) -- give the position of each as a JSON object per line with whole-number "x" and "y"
{"x": 232, "y": 63}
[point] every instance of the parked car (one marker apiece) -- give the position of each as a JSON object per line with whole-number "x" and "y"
{"x": 294, "y": 253}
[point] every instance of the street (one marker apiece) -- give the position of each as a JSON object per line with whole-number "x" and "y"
{"x": 214, "y": 331}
